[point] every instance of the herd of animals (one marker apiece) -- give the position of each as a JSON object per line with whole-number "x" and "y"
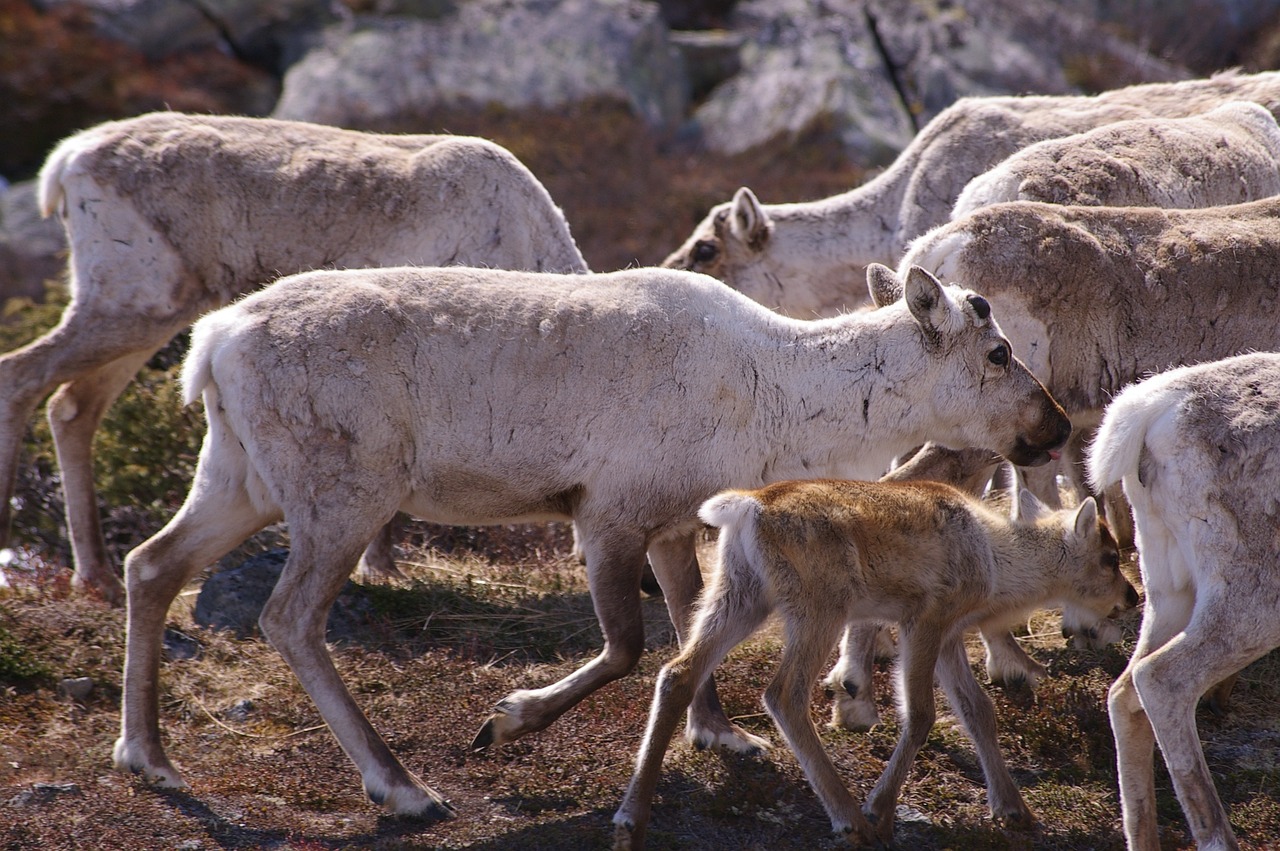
{"x": 429, "y": 320}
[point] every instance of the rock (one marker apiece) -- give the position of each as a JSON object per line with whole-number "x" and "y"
{"x": 710, "y": 57}
{"x": 877, "y": 70}
{"x": 518, "y": 53}
{"x": 77, "y": 688}
{"x": 1204, "y": 35}
{"x": 429, "y": 9}
{"x": 233, "y": 598}
{"x": 942, "y": 52}
{"x": 154, "y": 27}
{"x": 178, "y": 646}
{"x": 805, "y": 63}
{"x": 31, "y": 248}
{"x": 240, "y": 710}
{"x": 43, "y": 793}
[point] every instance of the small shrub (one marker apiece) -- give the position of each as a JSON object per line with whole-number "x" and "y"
{"x": 17, "y": 663}
{"x": 145, "y": 451}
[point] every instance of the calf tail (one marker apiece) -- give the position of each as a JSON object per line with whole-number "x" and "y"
{"x": 736, "y": 514}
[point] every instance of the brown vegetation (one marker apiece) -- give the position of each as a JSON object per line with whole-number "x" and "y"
{"x": 460, "y": 634}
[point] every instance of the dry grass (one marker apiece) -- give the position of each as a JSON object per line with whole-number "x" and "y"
{"x": 467, "y": 629}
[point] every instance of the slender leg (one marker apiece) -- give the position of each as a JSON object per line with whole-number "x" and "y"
{"x": 675, "y": 564}
{"x": 918, "y": 647}
{"x": 1043, "y": 482}
{"x": 83, "y": 343}
{"x": 1218, "y": 698}
{"x": 293, "y": 620}
{"x": 1170, "y": 680}
{"x": 850, "y": 680}
{"x": 1007, "y": 662}
{"x": 807, "y": 640}
{"x": 212, "y": 521}
{"x": 75, "y": 412}
{"x": 978, "y": 716}
{"x": 1165, "y": 615}
{"x": 613, "y": 572}
{"x": 727, "y": 618}
{"x": 378, "y": 560}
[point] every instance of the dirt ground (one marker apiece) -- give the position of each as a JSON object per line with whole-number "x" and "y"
{"x": 463, "y": 632}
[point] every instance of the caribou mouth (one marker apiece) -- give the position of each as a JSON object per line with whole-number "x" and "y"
{"x": 1026, "y": 455}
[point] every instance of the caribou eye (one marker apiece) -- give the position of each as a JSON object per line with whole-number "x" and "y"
{"x": 704, "y": 251}
{"x": 999, "y": 355}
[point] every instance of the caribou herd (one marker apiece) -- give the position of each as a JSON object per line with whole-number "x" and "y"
{"x": 1084, "y": 288}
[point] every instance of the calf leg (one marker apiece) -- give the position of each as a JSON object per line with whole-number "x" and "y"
{"x": 726, "y": 620}
{"x": 978, "y": 716}
{"x": 807, "y": 641}
{"x": 1007, "y": 663}
{"x": 613, "y": 572}
{"x": 675, "y": 565}
{"x": 918, "y": 647}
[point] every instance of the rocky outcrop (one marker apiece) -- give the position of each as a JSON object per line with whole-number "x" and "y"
{"x": 232, "y": 599}
{"x": 31, "y": 248}
{"x": 545, "y": 53}
{"x": 876, "y": 71}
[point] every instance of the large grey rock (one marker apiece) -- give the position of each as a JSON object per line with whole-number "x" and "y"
{"x": 31, "y": 248}
{"x": 518, "y": 53}
{"x": 804, "y": 63}
{"x": 877, "y": 70}
{"x": 942, "y": 52}
{"x": 233, "y": 598}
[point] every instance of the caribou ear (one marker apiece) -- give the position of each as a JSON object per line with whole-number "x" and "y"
{"x": 883, "y": 284}
{"x": 926, "y": 300}
{"x": 747, "y": 218}
{"x": 1086, "y": 520}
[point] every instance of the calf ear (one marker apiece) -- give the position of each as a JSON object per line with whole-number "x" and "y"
{"x": 749, "y": 221}
{"x": 926, "y": 300}
{"x": 1025, "y": 507}
{"x": 1086, "y": 522}
{"x": 883, "y": 284}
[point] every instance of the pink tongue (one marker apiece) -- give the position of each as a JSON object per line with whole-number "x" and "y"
{"x": 1055, "y": 454}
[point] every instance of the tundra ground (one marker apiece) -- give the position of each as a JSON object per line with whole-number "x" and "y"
{"x": 506, "y": 610}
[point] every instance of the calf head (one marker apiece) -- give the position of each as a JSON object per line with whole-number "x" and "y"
{"x": 1095, "y": 587}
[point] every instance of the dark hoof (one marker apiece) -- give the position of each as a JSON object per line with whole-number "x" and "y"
{"x": 443, "y": 811}
{"x": 484, "y": 738}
